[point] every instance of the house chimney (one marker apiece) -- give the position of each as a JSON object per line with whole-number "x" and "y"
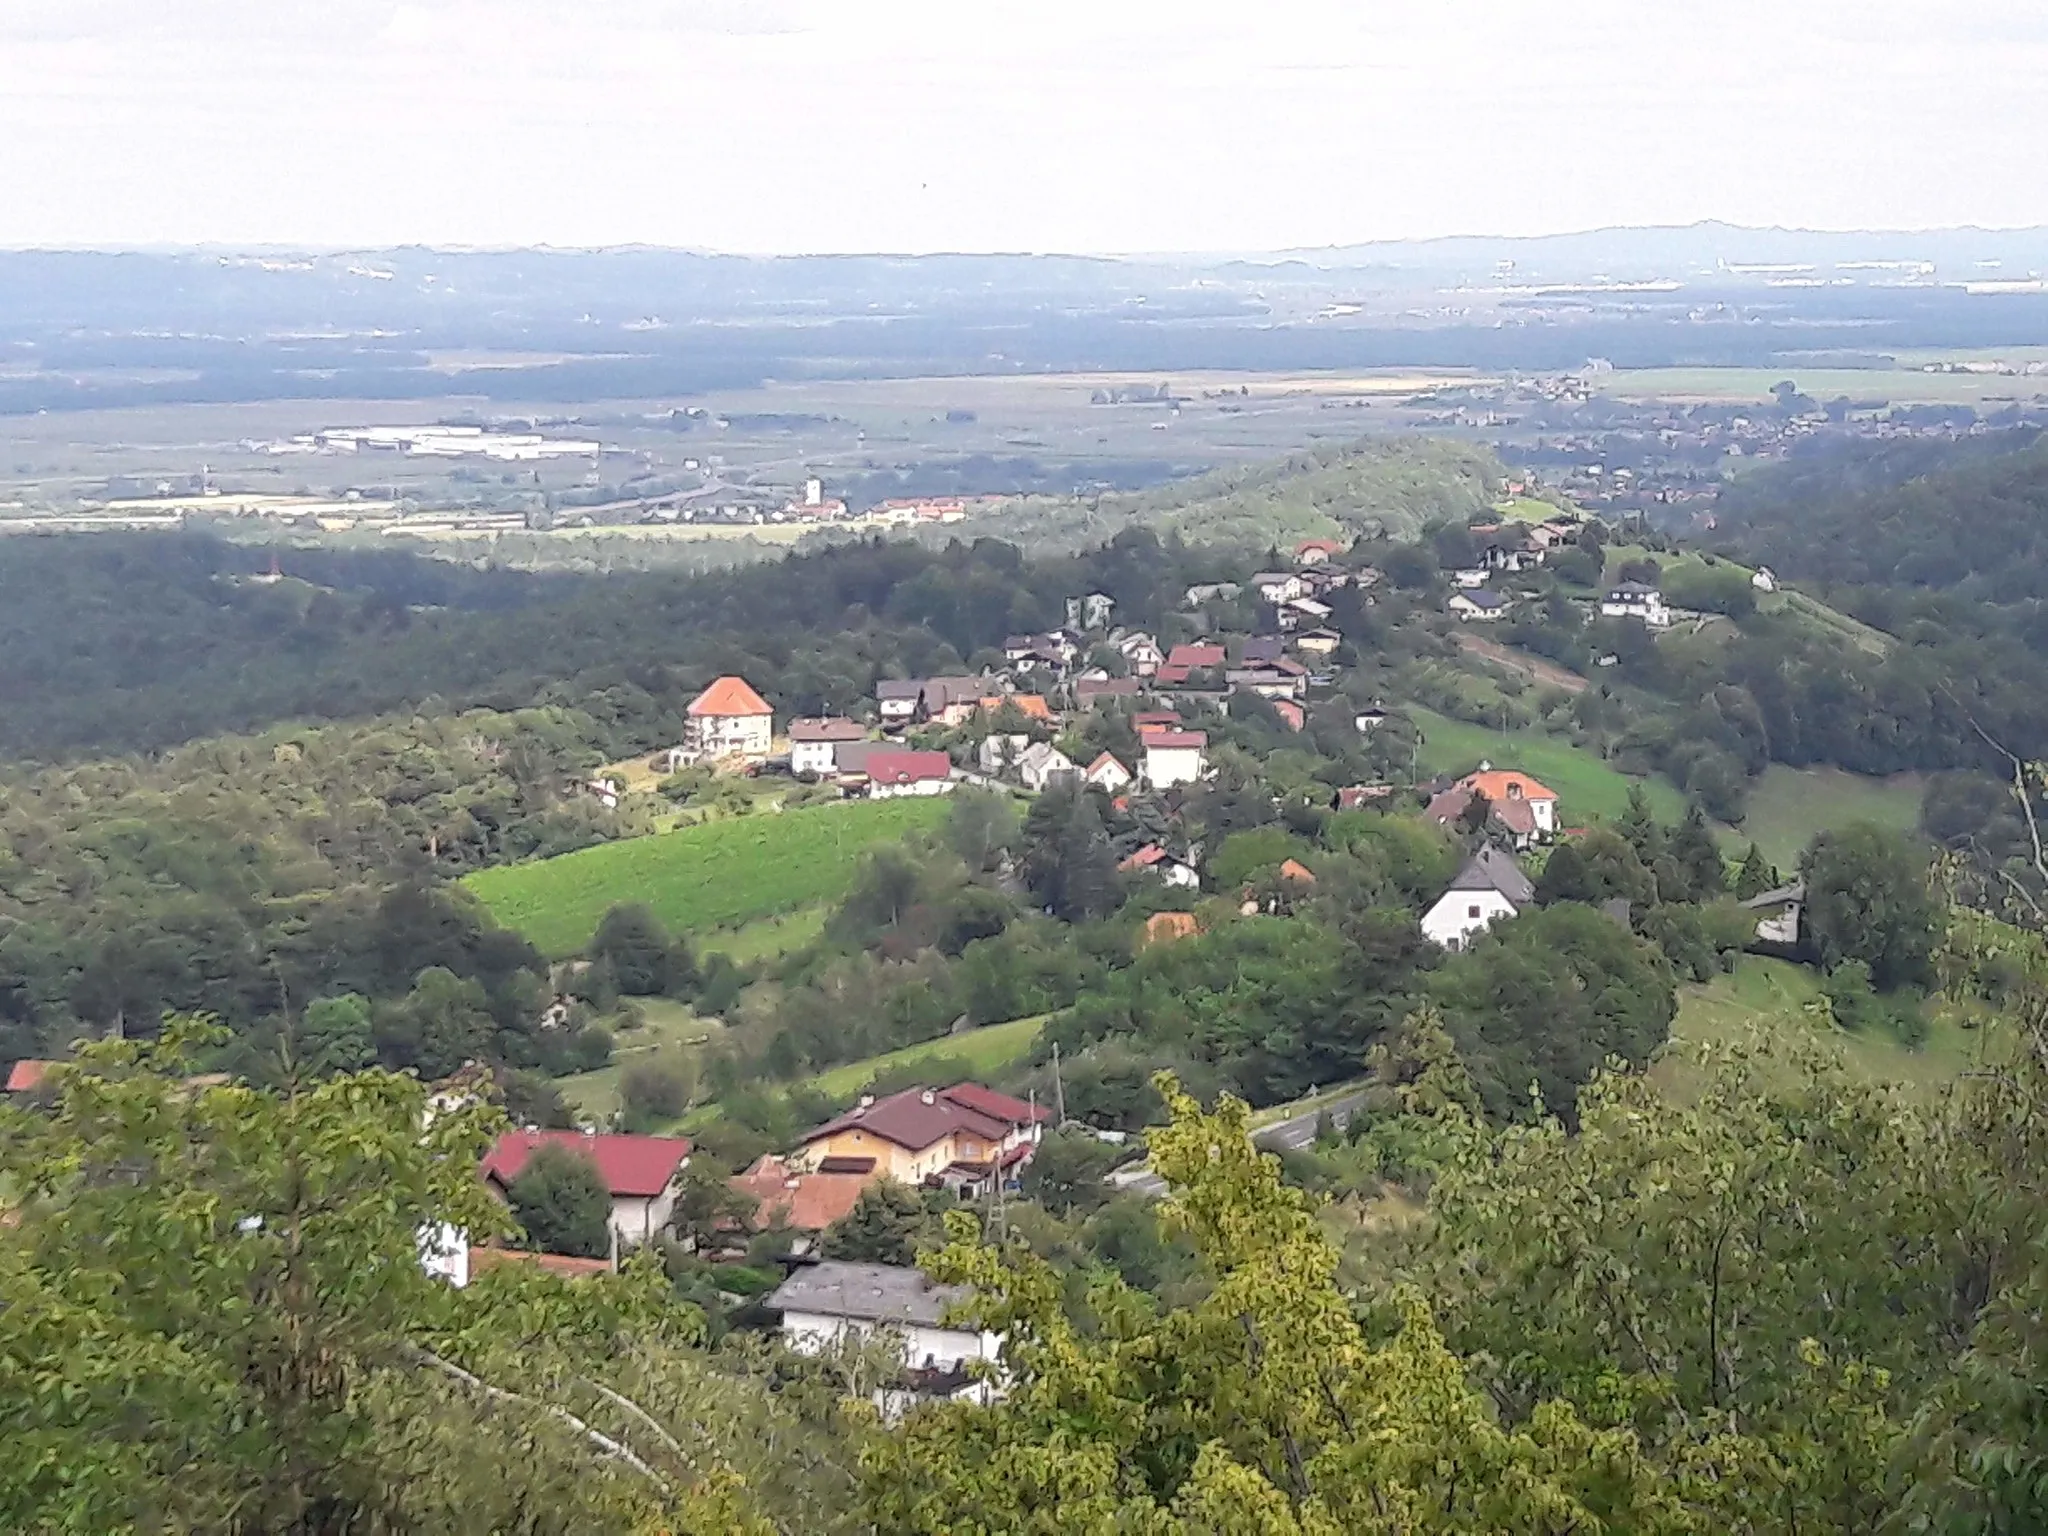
{"x": 929, "y": 1097}
{"x": 867, "y": 1101}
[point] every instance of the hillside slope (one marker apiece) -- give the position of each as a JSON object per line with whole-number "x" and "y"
{"x": 1385, "y": 485}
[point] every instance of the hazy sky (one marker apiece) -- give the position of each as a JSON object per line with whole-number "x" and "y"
{"x": 1087, "y": 125}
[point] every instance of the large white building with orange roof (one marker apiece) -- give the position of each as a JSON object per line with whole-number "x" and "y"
{"x": 729, "y": 719}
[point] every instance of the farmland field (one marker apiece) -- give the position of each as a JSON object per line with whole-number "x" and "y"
{"x": 719, "y": 875}
{"x": 1586, "y": 786}
{"x": 1754, "y": 384}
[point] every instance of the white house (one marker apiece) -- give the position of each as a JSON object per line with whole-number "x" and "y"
{"x": 814, "y": 743}
{"x": 1489, "y": 888}
{"x": 1277, "y": 587}
{"x": 1634, "y": 600}
{"x": 1477, "y": 604}
{"x": 1778, "y": 915}
{"x": 896, "y": 700}
{"x": 1000, "y": 750}
{"x": 1142, "y": 652}
{"x": 898, "y": 774}
{"x": 1040, "y": 765}
{"x": 643, "y": 1173}
{"x": 728, "y": 719}
{"x": 1174, "y": 757}
{"x": 1765, "y": 579}
{"x": 1107, "y": 773}
{"x": 824, "y": 1303}
{"x": 1368, "y": 720}
{"x": 1470, "y": 576}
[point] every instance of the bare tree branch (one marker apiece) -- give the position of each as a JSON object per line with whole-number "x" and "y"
{"x": 598, "y": 1438}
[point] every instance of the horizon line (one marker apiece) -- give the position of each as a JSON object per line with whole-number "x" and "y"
{"x": 1282, "y": 253}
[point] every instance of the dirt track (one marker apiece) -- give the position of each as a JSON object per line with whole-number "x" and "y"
{"x": 1533, "y": 667}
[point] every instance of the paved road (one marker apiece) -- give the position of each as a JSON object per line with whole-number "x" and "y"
{"x": 1289, "y": 1135}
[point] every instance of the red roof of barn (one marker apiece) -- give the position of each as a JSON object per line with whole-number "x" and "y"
{"x": 729, "y": 696}
{"x": 632, "y": 1167}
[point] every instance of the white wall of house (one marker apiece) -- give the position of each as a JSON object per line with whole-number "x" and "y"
{"x": 819, "y": 757}
{"x": 1459, "y": 915}
{"x": 1174, "y": 873}
{"x": 636, "y": 1221}
{"x": 1168, "y": 766}
{"x": 1111, "y": 776}
{"x": 1041, "y": 772}
{"x": 1465, "y": 609}
{"x": 1651, "y": 610}
{"x": 916, "y": 788}
{"x": 922, "y": 1347}
{"x": 730, "y": 735}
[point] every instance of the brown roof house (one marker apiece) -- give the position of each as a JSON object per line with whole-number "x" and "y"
{"x": 964, "y": 1137}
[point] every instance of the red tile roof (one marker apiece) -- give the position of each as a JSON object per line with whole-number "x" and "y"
{"x": 806, "y": 1202}
{"x": 727, "y": 697}
{"x": 907, "y": 767}
{"x": 1195, "y": 653}
{"x": 918, "y": 1118}
{"x": 1144, "y": 858}
{"x": 1000, "y": 1106}
{"x": 1152, "y": 717}
{"x": 633, "y": 1167}
{"x": 27, "y": 1076}
{"x": 1291, "y": 712}
{"x": 1500, "y": 784}
{"x": 1176, "y": 740}
{"x": 1106, "y": 760}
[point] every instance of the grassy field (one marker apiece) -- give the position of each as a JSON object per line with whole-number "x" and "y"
{"x": 768, "y": 937}
{"x": 721, "y": 875}
{"x": 1525, "y": 509}
{"x": 1586, "y": 786}
{"x": 1775, "y": 993}
{"x": 670, "y": 1026}
{"x": 988, "y": 1050}
{"x": 1787, "y": 806}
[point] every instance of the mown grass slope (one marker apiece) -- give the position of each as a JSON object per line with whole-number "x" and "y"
{"x": 719, "y": 875}
{"x": 1787, "y": 806}
{"x": 1775, "y": 994}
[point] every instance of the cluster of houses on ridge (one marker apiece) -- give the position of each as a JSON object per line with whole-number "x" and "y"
{"x": 1507, "y": 549}
{"x": 1045, "y": 679}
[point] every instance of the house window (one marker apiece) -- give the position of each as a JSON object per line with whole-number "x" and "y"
{"x": 1472, "y": 912}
